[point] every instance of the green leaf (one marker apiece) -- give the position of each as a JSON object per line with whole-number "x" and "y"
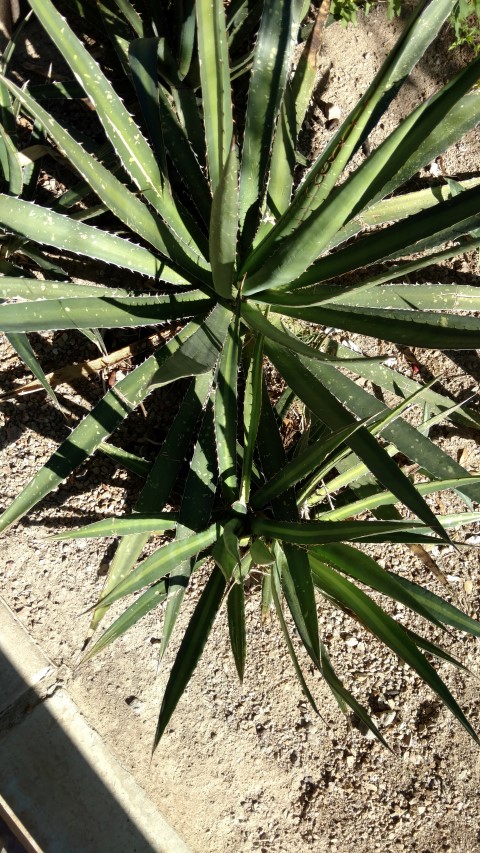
{"x": 131, "y": 146}
{"x": 297, "y": 581}
{"x": 360, "y": 566}
{"x": 224, "y": 226}
{"x": 128, "y": 524}
{"x": 409, "y": 440}
{"x": 144, "y": 66}
{"x": 385, "y": 498}
{"x": 271, "y": 66}
{"x": 251, "y": 415}
{"x": 23, "y": 348}
{"x": 191, "y": 647}
{"x": 193, "y": 351}
{"x": 448, "y": 220}
{"x": 236, "y": 627}
{"x": 275, "y": 586}
{"x": 53, "y": 229}
{"x": 301, "y": 466}
{"x": 406, "y": 327}
{"x": 10, "y": 163}
{"x": 294, "y": 255}
{"x": 105, "y": 312}
{"x": 185, "y": 18}
{"x": 419, "y": 32}
{"x": 300, "y": 595}
{"x": 296, "y": 102}
{"x": 260, "y": 554}
{"x": 195, "y": 512}
{"x": 322, "y": 532}
{"x": 215, "y": 79}
{"x": 130, "y": 461}
{"x": 161, "y": 478}
{"x": 226, "y": 413}
{"x": 162, "y": 562}
{"x": 389, "y": 632}
{"x": 439, "y": 608}
{"x": 112, "y": 192}
{"x": 151, "y": 598}
{"x": 327, "y": 408}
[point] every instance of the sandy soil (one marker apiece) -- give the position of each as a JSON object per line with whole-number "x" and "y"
{"x": 251, "y": 768}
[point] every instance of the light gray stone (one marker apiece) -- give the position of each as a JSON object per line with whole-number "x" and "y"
{"x": 26, "y": 674}
{"x": 71, "y": 792}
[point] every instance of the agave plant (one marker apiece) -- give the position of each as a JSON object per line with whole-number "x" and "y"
{"x": 230, "y": 236}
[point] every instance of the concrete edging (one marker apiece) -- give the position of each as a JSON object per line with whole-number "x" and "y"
{"x": 58, "y": 780}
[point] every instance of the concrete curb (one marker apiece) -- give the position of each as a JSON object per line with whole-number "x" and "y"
{"x": 64, "y": 785}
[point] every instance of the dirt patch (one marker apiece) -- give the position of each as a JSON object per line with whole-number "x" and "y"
{"x": 251, "y": 768}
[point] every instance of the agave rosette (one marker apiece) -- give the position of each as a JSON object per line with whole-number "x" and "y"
{"x": 227, "y": 245}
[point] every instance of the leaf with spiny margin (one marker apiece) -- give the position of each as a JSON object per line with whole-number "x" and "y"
{"x": 429, "y": 297}
{"x": 163, "y": 561}
{"x": 216, "y": 95}
{"x": 191, "y": 647}
{"x": 252, "y": 406}
{"x": 272, "y": 329}
{"x": 142, "y": 54}
{"x": 131, "y": 146}
{"x": 194, "y": 350}
{"x": 296, "y": 576}
{"x": 275, "y": 586}
{"x": 105, "y": 312}
{"x": 226, "y": 407}
{"x": 161, "y": 478}
{"x": 306, "y": 384}
{"x": 119, "y": 32}
{"x": 462, "y": 118}
{"x": 400, "y": 206}
{"x": 10, "y": 164}
{"x": 439, "y": 608}
{"x": 385, "y": 498}
{"x": 195, "y": 511}
{"x": 306, "y": 533}
{"x": 406, "y": 327}
{"x": 419, "y": 32}
{"x": 180, "y": 150}
{"x": 271, "y": 67}
{"x": 151, "y": 598}
{"x": 236, "y": 627}
{"x": 360, "y": 566}
{"x": 224, "y": 226}
{"x": 127, "y": 525}
{"x": 12, "y": 287}
{"x": 294, "y": 255}
{"x": 131, "y": 16}
{"x": 110, "y": 190}
{"x": 54, "y": 229}
{"x": 129, "y": 461}
{"x": 389, "y": 632}
{"x": 23, "y": 348}
{"x": 430, "y": 228}
{"x": 306, "y": 461}
{"x": 295, "y": 104}
{"x": 409, "y": 440}
{"x": 302, "y": 465}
